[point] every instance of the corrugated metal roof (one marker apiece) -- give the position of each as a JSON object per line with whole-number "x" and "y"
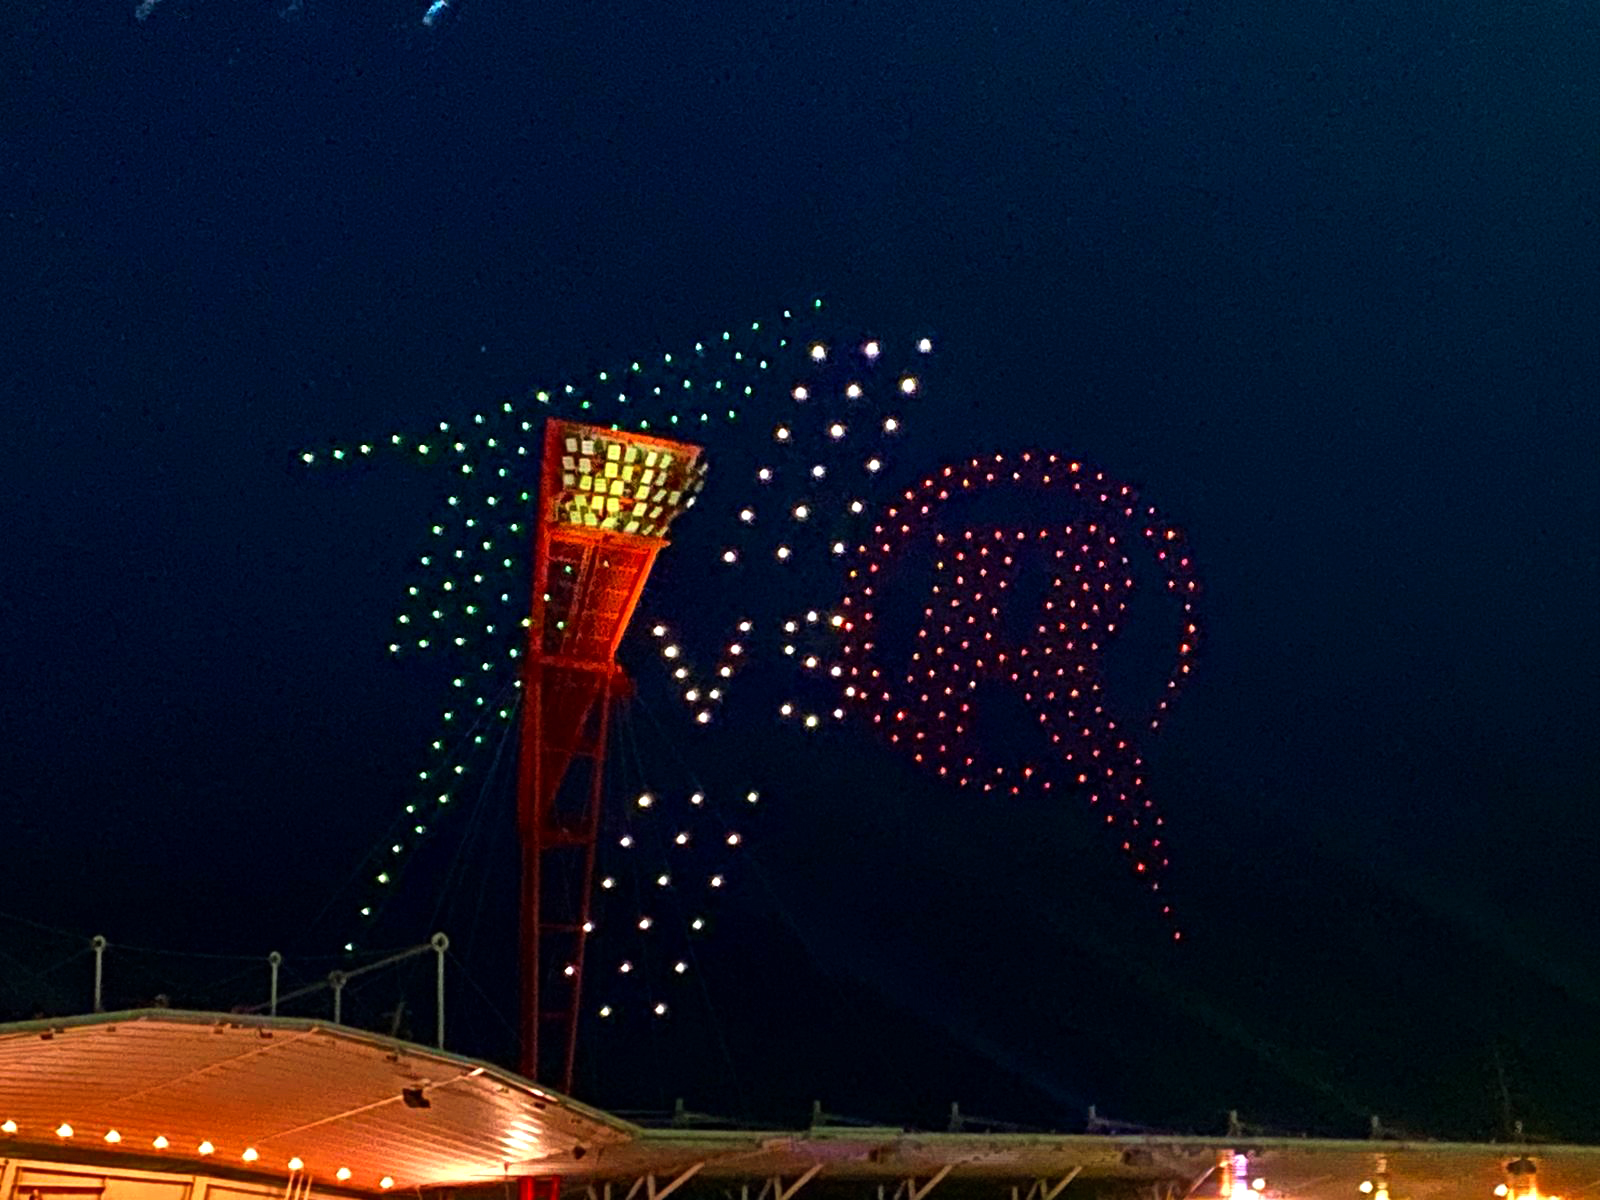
{"x": 284, "y": 1089}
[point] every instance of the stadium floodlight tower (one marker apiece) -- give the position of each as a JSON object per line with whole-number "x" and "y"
{"x": 606, "y": 501}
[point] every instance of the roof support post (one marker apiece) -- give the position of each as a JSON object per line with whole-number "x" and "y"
{"x": 652, "y": 1192}
{"x": 1049, "y": 1191}
{"x": 787, "y": 1193}
{"x": 913, "y": 1192}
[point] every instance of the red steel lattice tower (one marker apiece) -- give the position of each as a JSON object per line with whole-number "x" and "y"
{"x": 606, "y": 501}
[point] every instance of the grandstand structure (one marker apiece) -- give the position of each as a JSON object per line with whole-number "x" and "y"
{"x": 168, "y": 1105}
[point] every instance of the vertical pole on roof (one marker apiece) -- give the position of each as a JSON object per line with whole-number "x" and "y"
{"x": 440, "y": 944}
{"x": 274, "y": 960}
{"x": 98, "y": 945}
{"x": 336, "y": 981}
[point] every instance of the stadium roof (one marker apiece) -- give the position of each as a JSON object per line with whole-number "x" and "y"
{"x": 314, "y": 1100}
{"x": 262, "y": 1091}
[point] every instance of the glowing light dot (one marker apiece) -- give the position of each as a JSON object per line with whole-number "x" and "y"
{"x": 924, "y": 345}
{"x": 645, "y": 922}
{"x": 716, "y": 881}
{"x": 819, "y": 352}
{"x": 781, "y": 433}
{"x": 747, "y": 515}
{"x": 764, "y": 474}
{"x": 9, "y": 1126}
{"x": 697, "y": 923}
{"x": 386, "y": 1182}
{"x": 872, "y": 349}
{"x": 63, "y": 1130}
{"x": 113, "y": 1136}
{"x": 801, "y": 512}
{"x": 812, "y": 720}
{"x": 295, "y": 1164}
{"x": 680, "y": 967}
{"x": 783, "y": 553}
{"x": 752, "y": 797}
{"x": 908, "y": 385}
{"x": 608, "y": 882}
{"x": 874, "y": 465}
{"x": 660, "y": 1010}
{"x": 786, "y": 709}
{"x": 836, "y": 431}
{"x": 818, "y": 471}
{"x": 838, "y": 547}
{"x": 250, "y": 1154}
{"x": 703, "y": 717}
{"x": 800, "y": 393}
{"x": 733, "y": 839}
{"x": 730, "y": 556}
{"x": 853, "y": 391}
{"x": 342, "y": 1174}
{"x": 697, "y": 799}
{"x": 605, "y": 1010}
{"x": 206, "y": 1148}
{"x": 657, "y": 631}
{"x": 890, "y": 424}
{"x": 646, "y": 799}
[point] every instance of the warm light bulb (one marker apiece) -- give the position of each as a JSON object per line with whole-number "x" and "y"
{"x": 295, "y": 1164}
{"x": 250, "y": 1154}
{"x": 113, "y": 1136}
{"x": 160, "y": 1142}
{"x": 342, "y": 1174}
{"x": 924, "y": 345}
{"x": 819, "y": 352}
{"x": 8, "y": 1127}
{"x": 872, "y": 349}
{"x": 386, "y": 1182}
{"x": 63, "y": 1130}
{"x": 206, "y": 1148}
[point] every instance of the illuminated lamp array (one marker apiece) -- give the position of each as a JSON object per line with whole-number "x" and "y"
{"x": 925, "y": 700}
{"x": 204, "y": 1149}
{"x": 799, "y": 424}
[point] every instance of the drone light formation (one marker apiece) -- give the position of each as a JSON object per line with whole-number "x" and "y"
{"x": 804, "y": 429}
{"x": 926, "y": 702}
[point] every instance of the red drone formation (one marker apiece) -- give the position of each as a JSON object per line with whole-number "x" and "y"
{"x": 926, "y": 706}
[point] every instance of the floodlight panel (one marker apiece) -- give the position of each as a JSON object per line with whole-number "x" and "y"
{"x": 614, "y": 481}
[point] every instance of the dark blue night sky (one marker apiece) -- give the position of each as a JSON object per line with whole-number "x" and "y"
{"x": 1323, "y": 278}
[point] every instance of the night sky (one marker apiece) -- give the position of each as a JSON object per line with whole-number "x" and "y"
{"x": 1321, "y": 278}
